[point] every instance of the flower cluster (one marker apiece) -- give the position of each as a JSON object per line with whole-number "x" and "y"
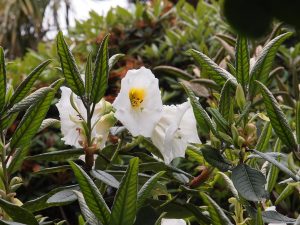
{"x": 139, "y": 108}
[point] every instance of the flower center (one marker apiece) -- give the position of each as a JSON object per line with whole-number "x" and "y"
{"x": 136, "y": 96}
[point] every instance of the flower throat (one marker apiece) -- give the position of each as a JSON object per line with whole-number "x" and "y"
{"x": 136, "y": 96}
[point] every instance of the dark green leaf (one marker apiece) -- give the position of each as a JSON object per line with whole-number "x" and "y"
{"x": 91, "y": 195}
{"x": 60, "y": 155}
{"x": 69, "y": 67}
{"x": 18, "y": 158}
{"x": 259, "y": 219}
{"x": 2, "y": 79}
{"x": 226, "y": 102}
{"x": 17, "y": 213}
{"x": 125, "y": 204}
{"x": 23, "y": 89}
{"x": 214, "y": 158}
{"x": 100, "y": 80}
{"x": 249, "y": 182}
{"x": 273, "y": 171}
{"x": 151, "y": 148}
{"x": 173, "y": 71}
{"x": 89, "y": 75}
{"x": 298, "y": 121}
{"x": 242, "y": 61}
{"x": 277, "y": 118}
{"x": 276, "y": 217}
{"x": 146, "y": 189}
{"x": 105, "y": 178}
{"x": 264, "y": 138}
{"x": 263, "y": 65}
{"x": 219, "y": 119}
{"x": 64, "y": 196}
{"x": 287, "y": 191}
{"x": 55, "y": 169}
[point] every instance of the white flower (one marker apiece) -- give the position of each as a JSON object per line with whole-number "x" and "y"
{"x": 139, "y": 105}
{"x": 72, "y": 124}
{"x": 173, "y": 222}
{"x": 272, "y": 208}
{"x": 176, "y": 128}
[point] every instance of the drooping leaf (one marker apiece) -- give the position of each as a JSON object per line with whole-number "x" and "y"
{"x": 146, "y": 189}
{"x": 174, "y": 72}
{"x": 64, "y": 196}
{"x": 125, "y": 204}
{"x": 242, "y": 61}
{"x": 105, "y": 178}
{"x": 214, "y": 158}
{"x": 60, "y": 155}
{"x": 92, "y": 195}
{"x": 113, "y": 60}
{"x": 263, "y": 65}
{"x": 277, "y": 118}
{"x": 216, "y": 73}
{"x": 23, "y": 89}
{"x": 216, "y": 213}
{"x": 100, "y": 79}
{"x": 2, "y": 79}
{"x": 49, "y": 123}
{"x": 17, "y": 213}
{"x": 69, "y": 67}
{"x": 33, "y": 118}
{"x": 249, "y": 182}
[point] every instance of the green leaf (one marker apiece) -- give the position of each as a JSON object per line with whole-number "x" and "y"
{"x": 54, "y": 169}
{"x": 151, "y": 147}
{"x": 174, "y": 72}
{"x": 287, "y": 191}
{"x": 264, "y": 137}
{"x": 242, "y": 61}
{"x": 2, "y": 79}
{"x": 277, "y": 118}
{"x": 214, "y": 158}
{"x": 125, "y": 204}
{"x": 226, "y": 102}
{"x": 91, "y": 195}
{"x": 60, "y": 155}
{"x": 69, "y": 67}
{"x": 216, "y": 213}
{"x": 216, "y": 73}
{"x": 100, "y": 80}
{"x": 298, "y": 121}
{"x": 89, "y": 217}
{"x": 18, "y": 158}
{"x": 113, "y": 60}
{"x": 2, "y": 222}
{"x": 33, "y": 98}
{"x": 23, "y": 89}
{"x": 249, "y": 182}
{"x": 105, "y": 178}
{"x": 33, "y": 118}
{"x": 49, "y": 123}
{"x": 89, "y": 76}
{"x": 274, "y": 171}
{"x": 259, "y": 219}
{"x": 146, "y": 189}
{"x": 64, "y": 196}
{"x": 282, "y": 167}
{"x": 276, "y": 217}
{"x": 263, "y": 65}
{"x": 17, "y": 213}
{"x": 219, "y": 119}
{"x": 202, "y": 118}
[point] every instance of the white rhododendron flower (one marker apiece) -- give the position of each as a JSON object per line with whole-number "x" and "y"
{"x": 139, "y": 105}
{"x": 272, "y": 208}
{"x": 72, "y": 123}
{"x": 176, "y": 128}
{"x": 173, "y": 222}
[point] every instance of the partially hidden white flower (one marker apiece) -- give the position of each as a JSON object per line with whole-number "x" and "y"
{"x": 139, "y": 105}
{"x": 72, "y": 126}
{"x": 175, "y": 130}
{"x": 173, "y": 222}
{"x": 272, "y": 208}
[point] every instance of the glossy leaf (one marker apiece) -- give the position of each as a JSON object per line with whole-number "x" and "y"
{"x": 91, "y": 194}
{"x": 125, "y": 204}
{"x": 249, "y": 182}
{"x": 2, "y": 79}
{"x": 242, "y": 61}
{"x": 69, "y": 67}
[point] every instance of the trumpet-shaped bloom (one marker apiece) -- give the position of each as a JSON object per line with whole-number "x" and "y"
{"x": 139, "y": 105}
{"x": 173, "y": 222}
{"x": 176, "y": 128}
{"x": 72, "y": 121}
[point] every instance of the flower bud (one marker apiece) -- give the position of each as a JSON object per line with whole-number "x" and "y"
{"x": 250, "y": 129}
{"x": 240, "y": 96}
{"x": 240, "y": 141}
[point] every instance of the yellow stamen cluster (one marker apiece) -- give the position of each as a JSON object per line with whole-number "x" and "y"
{"x": 136, "y": 96}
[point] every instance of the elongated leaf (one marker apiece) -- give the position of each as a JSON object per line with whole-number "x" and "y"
{"x": 277, "y": 118}
{"x": 298, "y": 121}
{"x": 282, "y": 167}
{"x": 2, "y": 79}
{"x": 113, "y": 60}
{"x": 18, "y": 158}
{"x": 230, "y": 185}
{"x": 214, "y": 158}
{"x": 125, "y": 205}
{"x": 216, "y": 213}
{"x": 274, "y": 171}
{"x": 276, "y": 217}
{"x": 242, "y": 61}
{"x": 89, "y": 217}
{"x": 146, "y": 189}
{"x": 263, "y": 65}
{"x": 218, "y": 74}
{"x": 264, "y": 137}
{"x": 49, "y": 123}
{"x": 60, "y": 155}
{"x": 287, "y": 191}
{"x": 249, "y": 182}
{"x": 105, "y": 178}
{"x": 23, "y": 89}
{"x": 54, "y": 169}
{"x": 226, "y": 103}
{"x": 2, "y": 222}
{"x": 202, "y": 118}
{"x": 17, "y": 213}
{"x": 259, "y": 219}
{"x": 89, "y": 75}
{"x": 173, "y": 71}
{"x": 69, "y": 67}
{"x": 33, "y": 118}
{"x": 219, "y": 119}
{"x": 91, "y": 195}
{"x": 100, "y": 80}
{"x": 64, "y": 196}
{"x": 33, "y": 98}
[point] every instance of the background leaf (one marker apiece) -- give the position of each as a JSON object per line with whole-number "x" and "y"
{"x": 242, "y": 61}
{"x": 2, "y": 79}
